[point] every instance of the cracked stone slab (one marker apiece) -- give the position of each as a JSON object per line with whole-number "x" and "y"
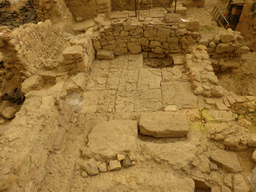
{"x": 179, "y": 94}
{"x": 110, "y": 138}
{"x": 163, "y": 124}
{"x": 227, "y": 160}
{"x": 172, "y": 74}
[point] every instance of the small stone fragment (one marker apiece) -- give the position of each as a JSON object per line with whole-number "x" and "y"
{"x": 120, "y": 157}
{"x": 126, "y": 162}
{"x": 90, "y": 167}
{"x": 133, "y": 163}
{"x": 84, "y": 174}
{"x": 254, "y": 156}
{"x": 114, "y": 165}
{"x": 102, "y": 167}
{"x": 9, "y": 112}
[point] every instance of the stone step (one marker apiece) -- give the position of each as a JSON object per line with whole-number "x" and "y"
{"x": 163, "y": 124}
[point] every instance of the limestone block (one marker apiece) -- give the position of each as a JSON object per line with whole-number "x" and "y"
{"x": 126, "y": 162}
{"x": 226, "y": 37}
{"x": 9, "y": 112}
{"x": 114, "y": 165}
{"x": 105, "y": 55}
{"x": 180, "y": 32}
{"x": 134, "y": 48}
{"x": 163, "y": 32}
{"x": 32, "y": 83}
{"x": 204, "y": 41}
{"x": 2, "y": 43}
{"x": 102, "y": 167}
{"x": 172, "y": 18}
{"x": 90, "y": 167}
{"x": 164, "y": 124}
{"x": 224, "y": 47}
{"x": 74, "y": 52}
{"x": 227, "y": 160}
{"x": 192, "y": 26}
{"x": 173, "y": 40}
{"x": 144, "y": 41}
{"x": 96, "y": 45}
{"x": 154, "y": 44}
{"x": 240, "y": 184}
{"x": 112, "y": 137}
{"x": 80, "y": 80}
{"x": 121, "y": 51}
{"x": 241, "y": 50}
{"x": 178, "y": 59}
{"x": 158, "y": 50}
{"x": 252, "y": 141}
{"x": 4, "y": 104}
{"x": 150, "y": 33}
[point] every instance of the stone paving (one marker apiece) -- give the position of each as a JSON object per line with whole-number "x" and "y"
{"x": 126, "y": 85}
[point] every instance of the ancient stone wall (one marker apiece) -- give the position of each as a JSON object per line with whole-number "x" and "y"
{"x": 152, "y": 38}
{"x": 34, "y": 46}
{"x": 88, "y": 9}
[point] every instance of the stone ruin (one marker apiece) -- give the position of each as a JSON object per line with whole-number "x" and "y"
{"x": 106, "y": 101}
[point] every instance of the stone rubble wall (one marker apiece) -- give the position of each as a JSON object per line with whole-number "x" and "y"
{"x": 34, "y": 45}
{"x": 203, "y": 79}
{"x": 153, "y": 39}
{"x": 227, "y": 44}
{"x": 39, "y": 128}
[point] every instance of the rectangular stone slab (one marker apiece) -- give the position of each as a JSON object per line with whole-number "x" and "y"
{"x": 227, "y": 160}
{"x": 163, "y": 124}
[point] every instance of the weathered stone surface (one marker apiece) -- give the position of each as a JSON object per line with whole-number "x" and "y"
{"x": 103, "y": 167}
{"x": 81, "y": 80}
{"x": 126, "y": 162}
{"x": 163, "y": 124}
{"x": 178, "y": 59}
{"x": 200, "y": 183}
{"x": 227, "y": 160}
{"x": 172, "y": 18}
{"x": 193, "y": 25}
{"x": 90, "y": 167}
{"x": 240, "y": 184}
{"x": 32, "y": 83}
{"x": 112, "y": 137}
{"x": 243, "y": 49}
{"x": 105, "y": 55}
{"x": 74, "y": 52}
{"x": 114, "y": 165}
{"x": 141, "y": 181}
{"x": 4, "y": 104}
{"x": 134, "y": 48}
{"x": 252, "y": 178}
{"x": 179, "y": 154}
{"x": 226, "y": 37}
{"x": 224, "y": 47}
{"x": 252, "y": 141}
{"x": 254, "y": 156}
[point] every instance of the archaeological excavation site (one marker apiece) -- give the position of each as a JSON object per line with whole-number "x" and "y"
{"x": 128, "y": 96}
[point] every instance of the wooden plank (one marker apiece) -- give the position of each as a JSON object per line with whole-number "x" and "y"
{"x": 237, "y": 98}
{"x": 220, "y": 105}
{"x": 231, "y": 100}
{"x": 210, "y": 101}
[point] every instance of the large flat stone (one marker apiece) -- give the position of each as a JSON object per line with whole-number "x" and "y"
{"x": 112, "y": 137}
{"x": 163, "y": 124}
{"x": 227, "y": 160}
